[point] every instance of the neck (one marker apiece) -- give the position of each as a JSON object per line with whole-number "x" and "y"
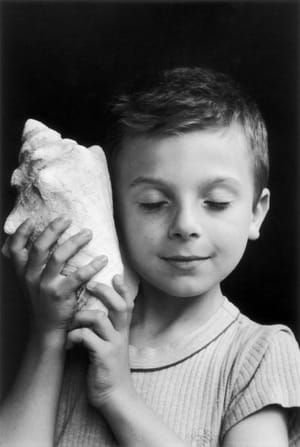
{"x": 159, "y": 318}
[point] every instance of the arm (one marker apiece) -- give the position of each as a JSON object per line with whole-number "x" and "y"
{"x": 110, "y": 389}
{"x": 27, "y": 417}
{"x": 265, "y": 428}
{"x": 28, "y": 414}
{"x": 136, "y": 425}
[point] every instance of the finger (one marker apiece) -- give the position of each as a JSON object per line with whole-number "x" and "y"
{"x": 71, "y": 283}
{"x": 120, "y": 287}
{"x": 65, "y": 251}
{"x": 96, "y": 320}
{"x": 39, "y": 251}
{"x": 117, "y": 306}
{"x": 5, "y": 248}
{"x": 86, "y": 337}
{"x": 16, "y": 245}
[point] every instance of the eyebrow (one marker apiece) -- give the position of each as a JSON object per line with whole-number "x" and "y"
{"x": 155, "y": 181}
{"x": 160, "y": 182}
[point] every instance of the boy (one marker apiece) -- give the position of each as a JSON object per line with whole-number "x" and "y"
{"x": 182, "y": 366}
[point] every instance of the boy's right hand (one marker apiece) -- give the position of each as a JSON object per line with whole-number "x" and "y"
{"x": 52, "y": 295}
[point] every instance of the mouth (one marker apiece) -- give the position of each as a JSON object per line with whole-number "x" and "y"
{"x": 185, "y": 262}
{"x": 181, "y": 258}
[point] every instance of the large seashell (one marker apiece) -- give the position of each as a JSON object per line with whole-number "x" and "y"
{"x": 58, "y": 177}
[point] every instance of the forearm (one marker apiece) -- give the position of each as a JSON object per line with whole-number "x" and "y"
{"x": 28, "y": 414}
{"x": 134, "y": 424}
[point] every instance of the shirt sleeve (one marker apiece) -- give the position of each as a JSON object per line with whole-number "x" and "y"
{"x": 269, "y": 374}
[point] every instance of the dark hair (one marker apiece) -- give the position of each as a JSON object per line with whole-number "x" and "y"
{"x": 186, "y": 99}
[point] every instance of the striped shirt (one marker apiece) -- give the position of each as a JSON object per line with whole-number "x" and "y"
{"x": 227, "y": 369}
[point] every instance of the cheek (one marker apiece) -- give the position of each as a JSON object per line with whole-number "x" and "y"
{"x": 231, "y": 233}
{"x": 139, "y": 234}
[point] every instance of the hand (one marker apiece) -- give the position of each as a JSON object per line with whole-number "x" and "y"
{"x": 106, "y": 338}
{"x": 52, "y": 294}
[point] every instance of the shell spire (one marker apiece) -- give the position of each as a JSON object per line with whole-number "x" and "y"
{"x": 38, "y": 134}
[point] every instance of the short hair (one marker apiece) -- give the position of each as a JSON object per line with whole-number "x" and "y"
{"x": 180, "y": 100}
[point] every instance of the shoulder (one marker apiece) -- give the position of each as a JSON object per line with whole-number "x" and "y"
{"x": 265, "y": 370}
{"x": 252, "y": 341}
{"x": 247, "y": 343}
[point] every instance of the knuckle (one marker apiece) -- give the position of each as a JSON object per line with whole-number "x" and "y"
{"x": 53, "y": 225}
{"x": 21, "y": 231}
{"x": 84, "y": 331}
{"x": 123, "y": 288}
{"x": 73, "y": 244}
{"x": 121, "y": 307}
{"x": 43, "y": 286}
{"x": 53, "y": 292}
{"x": 57, "y": 257}
{"x": 36, "y": 247}
{"x": 79, "y": 276}
{"x": 124, "y": 305}
{"x": 29, "y": 279}
{"x": 100, "y": 315}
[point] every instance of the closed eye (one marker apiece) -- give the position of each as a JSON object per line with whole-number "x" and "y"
{"x": 153, "y": 206}
{"x": 216, "y": 206}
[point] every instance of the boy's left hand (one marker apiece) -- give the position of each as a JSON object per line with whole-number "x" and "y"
{"x": 106, "y": 338}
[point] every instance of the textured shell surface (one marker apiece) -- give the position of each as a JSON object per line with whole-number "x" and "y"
{"x": 58, "y": 177}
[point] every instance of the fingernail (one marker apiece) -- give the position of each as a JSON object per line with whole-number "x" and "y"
{"x": 62, "y": 220}
{"x": 66, "y": 220}
{"x": 86, "y": 232}
{"x": 91, "y": 285}
{"x": 100, "y": 261}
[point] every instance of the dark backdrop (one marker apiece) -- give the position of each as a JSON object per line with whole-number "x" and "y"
{"x": 60, "y": 63}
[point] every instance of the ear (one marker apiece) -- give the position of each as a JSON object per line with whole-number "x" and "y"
{"x": 259, "y": 213}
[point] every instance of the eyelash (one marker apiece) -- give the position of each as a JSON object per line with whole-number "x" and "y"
{"x": 217, "y": 206}
{"x": 153, "y": 206}
{"x": 157, "y": 206}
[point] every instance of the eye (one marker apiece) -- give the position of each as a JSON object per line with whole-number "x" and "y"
{"x": 216, "y": 206}
{"x": 153, "y": 206}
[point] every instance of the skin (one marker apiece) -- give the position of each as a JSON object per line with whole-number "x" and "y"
{"x": 191, "y": 211}
{"x": 186, "y": 195}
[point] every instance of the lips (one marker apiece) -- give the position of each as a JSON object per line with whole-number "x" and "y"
{"x": 181, "y": 258}
{"x": 185, "y": 264}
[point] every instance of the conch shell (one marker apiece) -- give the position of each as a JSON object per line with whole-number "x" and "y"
{"x": 58, "y": 177}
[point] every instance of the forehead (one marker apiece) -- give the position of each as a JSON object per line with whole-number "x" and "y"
{"x": 187, "y": 157}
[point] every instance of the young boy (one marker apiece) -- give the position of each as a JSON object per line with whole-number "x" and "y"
{"x": 181, "y": 366}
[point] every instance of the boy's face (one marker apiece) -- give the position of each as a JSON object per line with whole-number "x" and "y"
{"x": 185, "y": 207}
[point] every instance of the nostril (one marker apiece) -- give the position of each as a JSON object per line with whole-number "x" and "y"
{"x": 185, "y": 235}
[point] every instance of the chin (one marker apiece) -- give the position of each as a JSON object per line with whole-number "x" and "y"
{"x": 184, "y": 288}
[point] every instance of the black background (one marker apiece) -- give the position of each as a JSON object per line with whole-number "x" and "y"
{"x": 60, "y": 63}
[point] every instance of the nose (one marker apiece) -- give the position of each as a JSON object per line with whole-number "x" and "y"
{"x": 185, "y": 224}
